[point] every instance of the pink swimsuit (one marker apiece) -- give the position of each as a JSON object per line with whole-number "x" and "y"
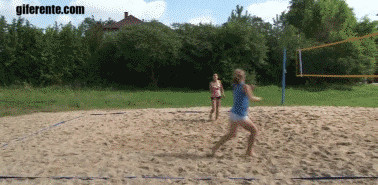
{"x": 215, "y": 90}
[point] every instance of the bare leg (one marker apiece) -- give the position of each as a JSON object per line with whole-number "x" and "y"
{"x": 212, "y": 108}
{"x": 248, "y": 125}
{"x": 231, "y": 133}
{"x": 218, "y": 102}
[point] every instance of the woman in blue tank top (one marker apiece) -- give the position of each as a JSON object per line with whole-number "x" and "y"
{"x": 239, "y": 112}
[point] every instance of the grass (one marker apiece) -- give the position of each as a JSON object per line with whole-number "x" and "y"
{"x": 25, "y": 100}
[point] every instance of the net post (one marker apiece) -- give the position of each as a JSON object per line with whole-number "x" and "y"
{"x": 296, "y": 63}
{"x": 283, "y": 76}
{"x": 300, "y": 62}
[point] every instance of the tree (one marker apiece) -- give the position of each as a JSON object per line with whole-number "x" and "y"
{"x": 243, "y": 42}
{"x": 63, "y": 55}
{"x": 236, "y": 15}
{"x": 324, "y": 20}
{"x": 369, "y": 45}
{"x": 109, "y": 22}
{"x": 300, "y": 15}
{"x": 327, "y": 21}
{"x": 366, "y": 26}
{"x": 50, "y": 73}
{"x": 4, "y": 55}
{"x": 199, "y": 55}
{"x": 24, "y": 52}
{"x": 149, "y": 47}
{"x": 282, "y": 35}
{"x": 91, "y": 42}
{"x": 93, "y": 33}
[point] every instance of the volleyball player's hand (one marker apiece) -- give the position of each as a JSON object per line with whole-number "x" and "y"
{"x": 255, "y": 98}
{"x": 253, "y": 87}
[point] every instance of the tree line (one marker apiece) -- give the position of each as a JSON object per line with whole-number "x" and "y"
{"x": 186, "y": 55}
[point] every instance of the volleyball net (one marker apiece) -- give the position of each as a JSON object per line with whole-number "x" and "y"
{"x": 351, "y": 58}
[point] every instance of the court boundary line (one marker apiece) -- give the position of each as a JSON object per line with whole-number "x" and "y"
{"x": 22, "y": 138}
{"x": 2, "y": 177}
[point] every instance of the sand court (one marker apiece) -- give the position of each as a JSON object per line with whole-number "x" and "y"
{"x": 126, "y": 145}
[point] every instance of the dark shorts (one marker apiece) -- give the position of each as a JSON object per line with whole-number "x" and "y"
{"x": 217, "y": 98}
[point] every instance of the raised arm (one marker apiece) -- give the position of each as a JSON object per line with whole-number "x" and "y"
{"x": 248, "y": 91}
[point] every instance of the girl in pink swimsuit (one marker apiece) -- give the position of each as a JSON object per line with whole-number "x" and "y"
{"x": 217, "y": 91}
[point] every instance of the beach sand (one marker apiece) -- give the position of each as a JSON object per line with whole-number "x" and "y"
{"x": 292, "y": 142}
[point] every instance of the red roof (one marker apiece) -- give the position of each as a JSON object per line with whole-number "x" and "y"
{"x": 128, "y": 20}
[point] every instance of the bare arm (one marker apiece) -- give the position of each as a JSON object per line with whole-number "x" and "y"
{"x": 222, "y": 90}
{"x": 248, "y": 91}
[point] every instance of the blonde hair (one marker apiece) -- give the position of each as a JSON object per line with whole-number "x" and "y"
{"x": 239, "y": 74}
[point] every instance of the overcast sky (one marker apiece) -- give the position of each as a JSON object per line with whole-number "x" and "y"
{"x": 166, "y": 11}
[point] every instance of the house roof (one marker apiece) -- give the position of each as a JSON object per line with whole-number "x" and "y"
{"x": 128, "y": 20}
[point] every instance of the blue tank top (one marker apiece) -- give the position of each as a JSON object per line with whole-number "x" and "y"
{"x": 241, "y": 101}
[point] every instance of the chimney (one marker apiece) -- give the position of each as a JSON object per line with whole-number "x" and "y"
{"x": 126, "y": 14}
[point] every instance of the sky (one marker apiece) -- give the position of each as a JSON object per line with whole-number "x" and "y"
{"x": 168, "y": 12}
